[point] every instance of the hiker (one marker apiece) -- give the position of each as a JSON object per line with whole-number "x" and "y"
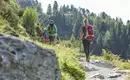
{"x": 52, "y": 29}
{"x": 45, "y": 35}
{"x": 87, "y": 35}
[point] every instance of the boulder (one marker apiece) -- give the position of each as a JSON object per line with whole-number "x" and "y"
{"x": 97, "y": 75}
{"x": 114, "y": 75}
{"x": 23, "y": 60}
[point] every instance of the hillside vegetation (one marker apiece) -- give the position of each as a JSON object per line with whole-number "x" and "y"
{"x": 24, "y": 23}
{"x": 10, "y": 19}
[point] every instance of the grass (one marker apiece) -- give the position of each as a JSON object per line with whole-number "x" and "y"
{"x": 2, "y": 21}
{"x": 115, "y": 59}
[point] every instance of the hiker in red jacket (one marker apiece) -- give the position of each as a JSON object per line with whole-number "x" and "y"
{"x": 45, "y": 36}
{"x": 87, "y": 35}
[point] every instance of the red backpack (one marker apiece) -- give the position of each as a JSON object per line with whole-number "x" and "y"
{"x": 90, "y": 33}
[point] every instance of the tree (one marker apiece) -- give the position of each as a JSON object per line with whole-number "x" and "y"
{"x": 72, "y": 8}
{"x": 103, "y": 15}
{"x": 67, "y": 8}
{"x": 55, "y": 8}
{"x": 87, "y": 11}
{"x": 64, "y": 9}
{"x": 83, "y": 11}
{"x": 30, "y": 18}
{"x": 107, "y": 39}
{"x": 39, "y": 8}
{"x": 49, "y": 10}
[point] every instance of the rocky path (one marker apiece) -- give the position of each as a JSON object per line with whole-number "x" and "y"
{"x": 102, "y": 70}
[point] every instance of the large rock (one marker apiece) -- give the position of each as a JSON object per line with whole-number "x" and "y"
{"x": 23, "y": 60}
{"x": 101, "y": 63}
{"x": 114, "y": 75}
{"x": 97, "y": 75}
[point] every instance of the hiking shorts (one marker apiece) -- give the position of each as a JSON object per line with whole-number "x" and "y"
{"x": 51, "y": 38}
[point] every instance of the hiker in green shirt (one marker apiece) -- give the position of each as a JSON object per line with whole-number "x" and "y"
{"x": 52, "y": 29}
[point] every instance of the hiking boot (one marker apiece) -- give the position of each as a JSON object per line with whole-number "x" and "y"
{"x": 87, "y": 59}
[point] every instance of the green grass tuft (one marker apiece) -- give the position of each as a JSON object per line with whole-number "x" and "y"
{"x": 115, "y": 59}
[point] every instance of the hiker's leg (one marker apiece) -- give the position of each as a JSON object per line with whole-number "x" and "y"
{"x": 88, "y": 48}
{"x": 54, "y": 39}
{"x": 50, "y": 39}
{"x": 85, "y": 48}
{"x": 45, "y": 39}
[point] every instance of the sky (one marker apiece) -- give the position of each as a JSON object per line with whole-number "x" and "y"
{"x": 114, "y": 8}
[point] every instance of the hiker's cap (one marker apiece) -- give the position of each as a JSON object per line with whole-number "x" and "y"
{"x": 51, "y": 21}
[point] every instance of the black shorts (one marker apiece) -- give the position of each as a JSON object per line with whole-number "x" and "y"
{"x": 51, "y": 38}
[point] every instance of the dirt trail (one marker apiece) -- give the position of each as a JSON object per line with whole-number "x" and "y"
{"x": 102, "y": 70}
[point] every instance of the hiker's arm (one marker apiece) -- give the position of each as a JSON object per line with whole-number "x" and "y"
{"x": 47, "y": 28}
{"x": 56, "y": 28}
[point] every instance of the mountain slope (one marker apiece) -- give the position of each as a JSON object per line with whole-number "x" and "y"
{"x": 9, "y": 18}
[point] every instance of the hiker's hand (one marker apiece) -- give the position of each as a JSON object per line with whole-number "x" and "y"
{"x": 80, "y": 36}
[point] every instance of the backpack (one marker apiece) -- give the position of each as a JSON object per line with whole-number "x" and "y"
{"x": 51, "y": 29}
{"x": 46, "y": 33}
{"x": 90, "y": 33}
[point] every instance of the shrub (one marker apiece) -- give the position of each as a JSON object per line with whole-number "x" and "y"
{"x": 108, "y": 55}
{"x": 30, "y": 18}
{"x": 74, "y": 71}
{"x": 1, "y": 1}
